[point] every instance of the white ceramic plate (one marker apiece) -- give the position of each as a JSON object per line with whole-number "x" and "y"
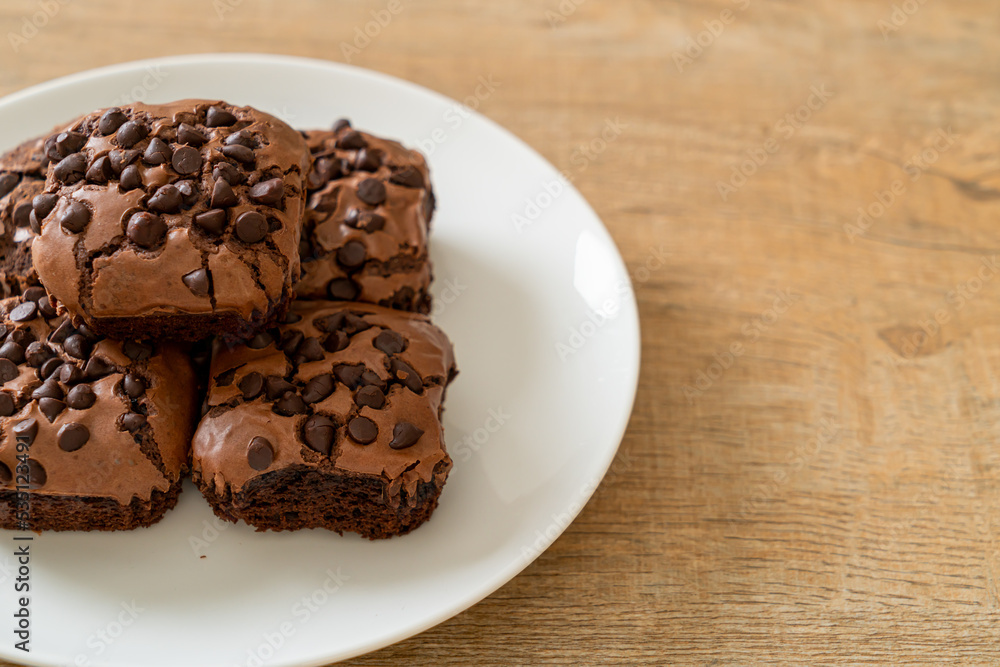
{"x": 546, "y": 331}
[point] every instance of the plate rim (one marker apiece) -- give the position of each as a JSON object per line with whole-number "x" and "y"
{"x": 502, "y": 576}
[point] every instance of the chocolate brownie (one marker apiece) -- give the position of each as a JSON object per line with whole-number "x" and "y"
{"x": 22, "y": 178}
{"x": 173, "y": 221}
{"x": 94, "y": 434}
{"x": 330, "y": 421}
{"x": 367, "y": 218}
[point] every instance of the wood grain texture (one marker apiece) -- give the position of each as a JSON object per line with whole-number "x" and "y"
{"x": 810, "y": 473}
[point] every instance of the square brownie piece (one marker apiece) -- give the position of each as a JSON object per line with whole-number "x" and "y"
{"x": 94, "y": 434}
{"x": 368, "y": 214}
{"x": 332, "y": 420}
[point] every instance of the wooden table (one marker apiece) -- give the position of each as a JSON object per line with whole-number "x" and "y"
{"x": 810, "y": 474}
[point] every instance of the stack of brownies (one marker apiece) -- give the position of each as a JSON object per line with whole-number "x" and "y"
{"x": 199, "y": 288}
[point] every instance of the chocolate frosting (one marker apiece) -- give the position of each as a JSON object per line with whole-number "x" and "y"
{"x": 233, "y": 421}
{"x": 116, "y": 163}
{"x": 396, "y": 270}
{"x": 113, "y": 462}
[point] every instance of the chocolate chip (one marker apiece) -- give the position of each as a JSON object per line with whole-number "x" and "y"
{"x": 133, "y": 421}
{"x": 62, "y": 332}
{"x": 70, "y": 374}
{"x": 86, "y": 332}
{"x": 77, "y": 346}
{"x": 389, "y": 342}
{"x": 98, "y": 367}
{"x": 352, "y": 254}
{"x": 362, "y": 430}
{"x": 405, "y": 435}
{"x": 5, "y": 475}
{"x": 130, "y": 178}
{"x": 35, "y": 293}
{"x": 22, "y": 215}
{"x": 121, "y": 159}
{"x": 167, "y": 199}
{"x": 316, "y": 179}
{"x": 37, "y": 354}
{"x": 409, "y": 177}
{"x": 8, "y": 182}
{"x": 351, "y": 141}
{"x": 353, "y": 324}
{"x": 51, "y": 408}
{"x": 239, "y": 153}
{"x": 241, "y": 138}
{"x": 223, "y": 195}
{"x": 260, "y": 341}
{"x": 36, "y": 474}
{"x": 368, "y": 160}
{"x": 268, "y": 192}
{"x": 146, "y": 229}
{"x": 349, "y": 375}
{"x": 70, "y": 142}
{"x": 22, "y": 337}
{"x": 371, "y": 191}
{"x": 251, "y": 384}
{"x": 187, "y": 134}
{"x": 227, "y": 172}
{"x": 158, "y": 152}
{"x": 290, "y": 342}
{"x": 312, "y": 350}
{"x": 7, "y": 406}
{"x": 74, "y": 217}
{"x": 342, "y": 289}
{"x": 260, "y": 453}
{"x": 46, "y": 308}
{"x": 26, "y": 430}
{"x": 318, "y": 388}
{"x": 277, "y": 386}
{"x": 367, "y": 221}
{"x": 48, "y": 389}
{"x": 100, "y": 170}
{"x": 70, "y": 169}
{"x": 43, "y": 205}
{"x": 198, "y": 282}
{"x": 370, "y": 396}
{"x": 24, "y": 312}
{"x": 336, "y": 342}
{"x": 212, "y": 221}
{"x": 134, "y": 386}
{"x": 219, "y": 117}
{"x": 73, "y": 436}
{"x": 12, "y": 351}
{"x": 251, "y": 227}
{"x": 290, "y": 404}
{"x": 130, "y": 133}
{"x": 291, "y": 318}
{"x": 319, "y": 432}
{"x": 81, "y": 397}
{"x": 8, "y": 370}
{"x": 111, "y": 120}
{"x": 340, "y": 124}
{"x": 403, "y": 372}
{"x": 188, "y": 190}
{"x": 137, "y": 351}
{"x": 49, "y": 367}
{"x": 186, "y": 160}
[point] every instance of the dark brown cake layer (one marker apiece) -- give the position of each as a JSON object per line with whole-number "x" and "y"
{"x": 86, "y": 513}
